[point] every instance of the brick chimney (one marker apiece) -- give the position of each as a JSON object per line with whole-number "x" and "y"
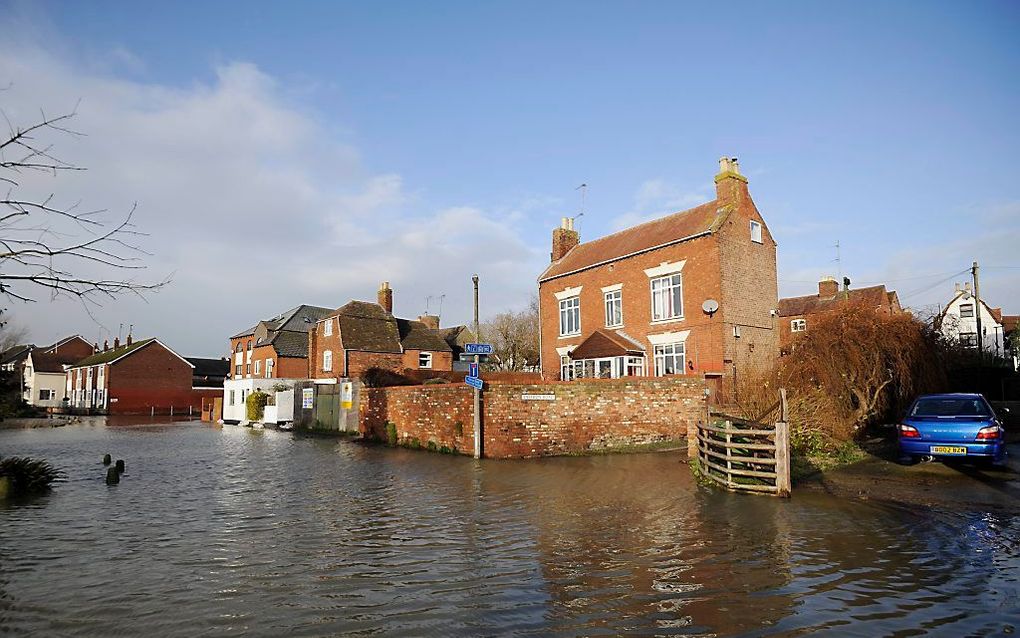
{"x": 106, "y": 345}
{"x": 128, "y": 342}
{"x": 828, "y": 287}
{"x": 116, "y": 342}
{"x": 730, "y": 185}
{"x": 430, "y": 321}
{"x": 564, "y": 238}
{"x": 386, "y": 296}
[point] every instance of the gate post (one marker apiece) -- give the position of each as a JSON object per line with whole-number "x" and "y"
{"x": 783, "y": 481}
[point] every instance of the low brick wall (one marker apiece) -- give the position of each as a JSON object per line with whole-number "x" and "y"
{"x": 539, "y": 419}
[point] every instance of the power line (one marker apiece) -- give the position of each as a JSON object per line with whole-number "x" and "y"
{"x": 936, "y": 284}
{"x": 887, "y": 281}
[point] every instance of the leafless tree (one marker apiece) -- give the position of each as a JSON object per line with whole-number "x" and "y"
{"x": 11, "y": 334}
{"x": 514, "y": 338}
{"x": 58, "y": 249}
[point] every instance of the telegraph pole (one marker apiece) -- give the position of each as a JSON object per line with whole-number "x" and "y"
{"x": 977, "y": 311}
{"x": 478, "y": 392}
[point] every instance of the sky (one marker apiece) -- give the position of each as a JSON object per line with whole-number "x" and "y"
{"x": 288, "y": 153}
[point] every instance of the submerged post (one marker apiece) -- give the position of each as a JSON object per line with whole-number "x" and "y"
{"x": 783, "y": 481}
{"x": 477, "y": 392}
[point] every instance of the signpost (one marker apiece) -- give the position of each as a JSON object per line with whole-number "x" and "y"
{"x": 473, "y": 370}
{"x": 477, "y": 349}
{"x": 474, "y": 382}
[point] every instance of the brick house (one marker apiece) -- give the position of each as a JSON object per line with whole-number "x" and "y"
{"x": 361, "y": 335}
{"x": 690, "y": 293}
{"x": 43, "y": 370}
{"x": 139, "y": 377}
{"x": 795, "y": 313}
{"x": 271, "y": 351}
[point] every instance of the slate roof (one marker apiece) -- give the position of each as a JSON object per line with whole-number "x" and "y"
{"x": 414, "y": 335}
{"x": 299, "y": 319}
{"x": 209, "y": 367}
{"x": 48, "y": 362}
{"x": 606, "y": 343}
{"x": 289, "y": 343}
{"x": 643, "y": 237}
{"x": 15, "y": 353}
{"x": 809, "y": 304}
{"x": 367, "y": 327}
{"x": 112, "y": 353}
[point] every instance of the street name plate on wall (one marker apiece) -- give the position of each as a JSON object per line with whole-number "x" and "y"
{"x": 538, "y": 397}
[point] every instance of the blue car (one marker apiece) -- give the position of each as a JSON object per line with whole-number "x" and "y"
{"x": 952, "y": 426}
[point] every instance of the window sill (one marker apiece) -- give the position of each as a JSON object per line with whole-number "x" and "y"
{"x": 616, "y": 327}
{"x": 659, "y": 322}
{"x": 571, "y": 336}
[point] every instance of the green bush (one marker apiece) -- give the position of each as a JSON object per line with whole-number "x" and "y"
{"x": 391, "y": 434}
{"x": 255, "y": 405}
{"x": 431, "y": 445}
{"x": 458, "y": 427}
{"x": 435, "y": 381}
{"x": 20, "y": 476}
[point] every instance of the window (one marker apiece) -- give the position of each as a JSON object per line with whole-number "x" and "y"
{"x": 258, "y": 367}
{"x": 45, "y": 395}
{"x": 247, "y": 369}
{"x": 237, "y": 370}
{"x": 669, "y": 359}
{"x": 667, "y": 298}
{"x": 570, "y": 316}
{"x": 635, "y": 367}
{"x": 798, "y": 325}
{"x": 232, "y": 397}
{"x": 966, "y": 310}
{"x": 968, "y": 339}
{"x": 755, "y": 232}
{"x": 327, "y": 361}
{"x": 269, "y": 368}
{"x": 425, "y": 360}
{"x": 327, "y": 328}
{"x": 566, "y": 368}
{"x": 249, "y": 344}
{"x": 239, "y": 347}
{"x": 614, "y": 308}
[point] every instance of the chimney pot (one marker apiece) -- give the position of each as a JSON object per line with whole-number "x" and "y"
{"x": 116, "y": 342}
{"x": 128, "y": 342}
{"x": 106, "y": 345}
{"x": 730, "y": 185}
{"x": 564, "y": 239}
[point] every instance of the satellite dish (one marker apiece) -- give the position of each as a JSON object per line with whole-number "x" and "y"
{"x": 710, "y": 306}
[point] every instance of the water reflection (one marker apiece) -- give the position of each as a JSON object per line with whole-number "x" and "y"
{"x": 230, "y": 531}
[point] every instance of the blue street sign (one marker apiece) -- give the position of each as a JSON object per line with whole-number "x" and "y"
{"x": 473, "y": 370}
{"x": 478, "y": 348}
{"x": 474, "y": 382}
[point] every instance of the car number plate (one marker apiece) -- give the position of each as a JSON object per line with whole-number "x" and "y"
{"x": 948, "y": 449}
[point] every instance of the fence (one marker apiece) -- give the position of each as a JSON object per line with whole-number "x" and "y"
{"x": 746, "y": 455}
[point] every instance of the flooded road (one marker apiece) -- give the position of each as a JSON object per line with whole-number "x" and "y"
{"x": 239, "y": 532}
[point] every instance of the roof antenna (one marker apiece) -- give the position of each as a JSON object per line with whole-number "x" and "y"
{"x": 839, "y": 263}
{"x": 120, "y": 329}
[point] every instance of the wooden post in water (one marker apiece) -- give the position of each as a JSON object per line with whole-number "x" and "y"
{"x": 783, "y": 481}
{"x": 112, "y": 476}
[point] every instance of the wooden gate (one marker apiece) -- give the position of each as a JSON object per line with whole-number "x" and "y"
{"x": 746, "y": 455}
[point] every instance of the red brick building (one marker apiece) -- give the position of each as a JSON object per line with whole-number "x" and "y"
{"x": 796, "y": 313}
{"x": 138, "y": 377}
{"x": 361, "y": 335}
{"x": 634, "y": 303}
{"x": 275, "y": 348}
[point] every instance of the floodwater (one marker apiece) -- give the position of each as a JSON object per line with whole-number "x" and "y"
{"x": 239, "y": 532}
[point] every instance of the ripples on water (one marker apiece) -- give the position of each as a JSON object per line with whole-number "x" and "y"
{"x": 234, "y": 531}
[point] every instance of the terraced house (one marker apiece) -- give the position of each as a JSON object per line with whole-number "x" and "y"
{"x": 692, "y": 293}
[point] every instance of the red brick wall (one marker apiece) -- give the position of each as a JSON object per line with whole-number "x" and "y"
{"x": 585, "y": 416}
{"x": 440, "y": 360}
{"x": 151, "y": 377}
{"x": 77, "y": 347}
{"x": 244, "y": 341}
{"x": 359, "y": 361}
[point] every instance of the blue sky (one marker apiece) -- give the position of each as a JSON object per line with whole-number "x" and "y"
{"x": 335, "y": 145}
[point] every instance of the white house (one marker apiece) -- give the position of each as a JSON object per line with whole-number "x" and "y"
{"x": 959, "y": 322}
{"x": 42, "y": 376}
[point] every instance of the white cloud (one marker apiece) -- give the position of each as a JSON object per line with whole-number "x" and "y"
{"x": 250, "y": 201}
{"x": 657, "y": 197}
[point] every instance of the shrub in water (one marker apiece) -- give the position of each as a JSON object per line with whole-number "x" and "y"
{"x": 391, "y": 434}
{"x": 255, "y": 405}
{"x": 20, "y": 476}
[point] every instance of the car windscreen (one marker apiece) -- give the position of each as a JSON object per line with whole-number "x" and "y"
{"x": 951, "y": 407}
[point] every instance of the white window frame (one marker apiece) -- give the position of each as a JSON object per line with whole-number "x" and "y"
{"x": 327, "y": 328}
{"x": 756, "y": 232}
{"x": 676, "y": 350}
{"x": 669, "y": 283}
{"x": 269, "y": 368}
{"x": 566, "y": 368}
{"x": 614, "y": 308}
{"x": 970, "y": 309}
{"x": 327, "y": 361}
{"x": 798, "y": 325}
{"x": 425, "y": 360}
{"x": 969, "y": 339}
{"x": 49, "y": 394}
{"x": 258, "y": 367}
{"x": 570, "y": 306}
{"x": 232, "y": 397}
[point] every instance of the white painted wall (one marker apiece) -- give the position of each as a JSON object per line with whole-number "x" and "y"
{"x": 242, "y": 388}
{"x": 953, "y": 325}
